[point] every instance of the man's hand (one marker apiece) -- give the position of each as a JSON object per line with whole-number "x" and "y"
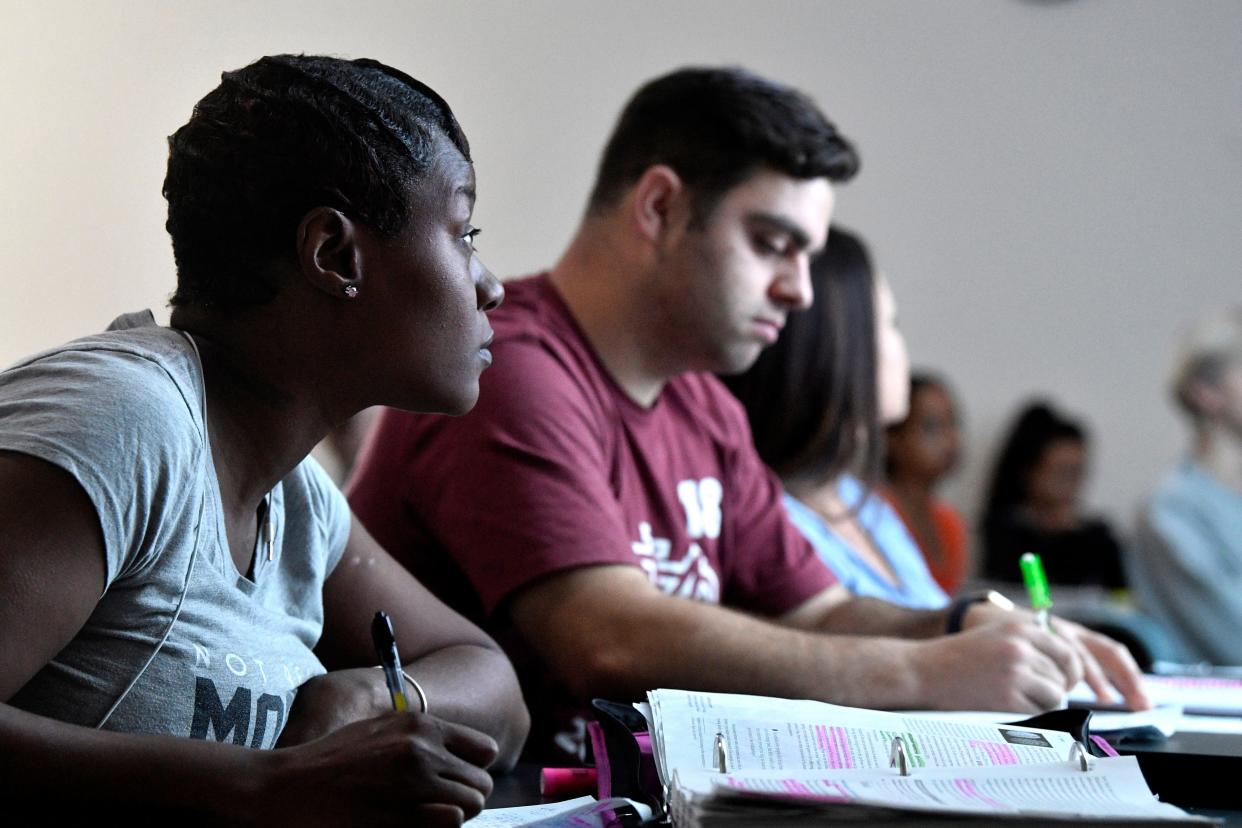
{"x": 1107, "y": 665}
{"x": 1009, "y": 665}
{"x": 1103, "y": 663}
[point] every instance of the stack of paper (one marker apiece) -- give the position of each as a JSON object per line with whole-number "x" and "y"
{"x": 583, "y": 812}
{"x": 1158, "y": 723}
{"x": 1198, "y": 695}
{"x": 809, "y": 762}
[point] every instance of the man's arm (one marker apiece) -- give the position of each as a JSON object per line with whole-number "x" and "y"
{"x": 836, "y": 611}
{"x": 606, "y": 630}
{"x": 52, "y": 573}
{"x": 466, "y": 676}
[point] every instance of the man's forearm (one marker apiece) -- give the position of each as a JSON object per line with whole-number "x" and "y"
{"x": 674, "y": 643}
{"x": 871, "y": 616}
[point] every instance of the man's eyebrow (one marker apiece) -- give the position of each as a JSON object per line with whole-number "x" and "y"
{"x": 796, "y": 234}
{"x": 468, "y": 191}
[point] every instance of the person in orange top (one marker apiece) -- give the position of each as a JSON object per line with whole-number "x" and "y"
{"x": 922, "y": 450}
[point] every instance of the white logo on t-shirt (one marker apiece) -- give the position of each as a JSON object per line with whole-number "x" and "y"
{"x": 692, "y": 576}
{"x": 701, "y": 500}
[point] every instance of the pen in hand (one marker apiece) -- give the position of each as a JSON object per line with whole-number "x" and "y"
{"x": 1037, "y": 588}
{"x": 390, "y": 660}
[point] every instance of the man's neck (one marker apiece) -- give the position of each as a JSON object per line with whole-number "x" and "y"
{"x": 602, "y": 288}
{"x": 1219, "y": 452}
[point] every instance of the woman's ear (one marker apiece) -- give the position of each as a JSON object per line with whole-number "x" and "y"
{"x": 658, "y": 203}
{"x": 329, "y": 252}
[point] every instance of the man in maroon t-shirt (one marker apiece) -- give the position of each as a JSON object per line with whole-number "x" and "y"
{"x": 603, "y": 511}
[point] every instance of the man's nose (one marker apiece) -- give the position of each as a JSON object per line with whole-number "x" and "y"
{"x": 792, "y": 288}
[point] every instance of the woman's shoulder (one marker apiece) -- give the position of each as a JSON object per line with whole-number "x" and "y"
{"x": 134, "y": 359}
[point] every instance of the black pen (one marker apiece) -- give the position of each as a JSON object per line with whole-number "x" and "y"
{"x": 390, "y": 660}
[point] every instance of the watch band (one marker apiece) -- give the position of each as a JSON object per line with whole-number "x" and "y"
{"x": 957, "y": 610}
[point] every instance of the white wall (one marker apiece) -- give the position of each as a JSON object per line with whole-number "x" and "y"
{"x": 1051, "y": 186}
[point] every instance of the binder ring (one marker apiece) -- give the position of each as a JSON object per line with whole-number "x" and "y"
{"x": 720, "y": 751}
{"x": 1079, "y": 754}
{"x": 897, "y": 756}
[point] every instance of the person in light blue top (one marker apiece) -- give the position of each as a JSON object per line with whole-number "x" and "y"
{"x": 915, "y": 586}
{"x": 818, "y": 401}
{"x": 1187, "y": 563}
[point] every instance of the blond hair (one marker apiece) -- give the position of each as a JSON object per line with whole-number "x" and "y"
{"x": 1206, "y": 351}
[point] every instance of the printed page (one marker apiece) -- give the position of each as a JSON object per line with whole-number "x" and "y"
{"x": 579, "y": 813}
{"x": 1161, "y": 721}
{"x": 1114, "y": 789}
{"x": 764, "y": 734}
{"x": 513, "y": 817}
{"x": 1210, "y": 724}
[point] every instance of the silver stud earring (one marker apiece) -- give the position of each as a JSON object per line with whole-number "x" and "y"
{"x": 351, "y": 291}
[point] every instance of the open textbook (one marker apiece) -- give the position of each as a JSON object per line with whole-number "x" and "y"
{"x": 733, "y": 760}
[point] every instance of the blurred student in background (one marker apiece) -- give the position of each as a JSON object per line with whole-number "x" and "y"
{"x": 817, "y": 401}
{"x": 1035, "y": 505}
{"x": 1187, "y": 566}
{"x": 921, "y": 451}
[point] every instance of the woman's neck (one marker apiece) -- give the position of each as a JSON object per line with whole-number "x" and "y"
{"x": 915, "y": 493}
{"x": 824, "y": 498}
{"x": 1219, "y": 452}
{"x": 1052, "y": 517}
{"x": 261, "y": 420}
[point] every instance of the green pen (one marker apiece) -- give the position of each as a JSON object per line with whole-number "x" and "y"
{"x": 1037, "y": 588}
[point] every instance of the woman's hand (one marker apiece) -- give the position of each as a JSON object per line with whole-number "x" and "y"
{"x": 328, "y": 702}
{"x": 398, "y": 769}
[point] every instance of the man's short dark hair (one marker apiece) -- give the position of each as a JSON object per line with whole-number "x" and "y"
{"x": 282, "y": 136}
{"x": 715, "y": 127}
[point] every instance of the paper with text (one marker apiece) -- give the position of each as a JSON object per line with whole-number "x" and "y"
{"x": 1200, "y": 695}
{"x": 779, "y": 734}
{"x": 1114, "y": 788}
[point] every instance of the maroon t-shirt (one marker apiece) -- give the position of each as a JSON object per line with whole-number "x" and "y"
{"x": 557, "y": 468}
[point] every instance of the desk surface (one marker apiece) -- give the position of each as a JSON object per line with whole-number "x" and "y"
{"x": 518, "y": 787}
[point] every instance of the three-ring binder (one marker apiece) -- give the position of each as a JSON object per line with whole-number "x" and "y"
{"x": 1078, "y": 756}
{"x": 897, "y": 758}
